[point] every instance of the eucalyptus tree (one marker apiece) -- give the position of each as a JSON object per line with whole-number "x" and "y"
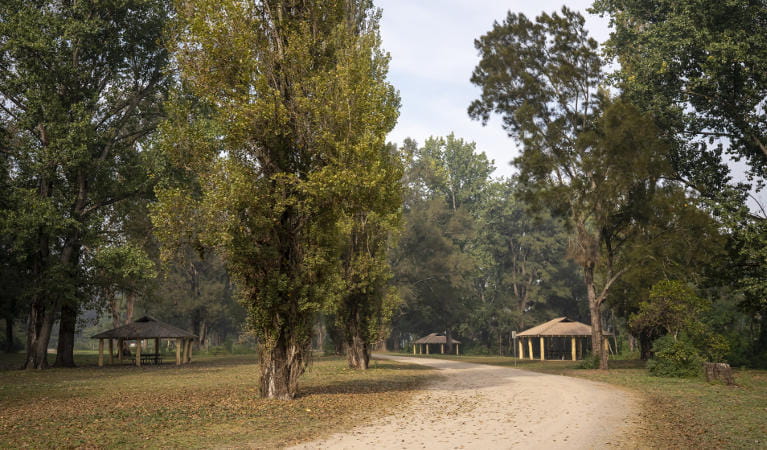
{"x": 591, "y": 158}
{"x": 81, "y": 84}
{"x": 288, "y": 93}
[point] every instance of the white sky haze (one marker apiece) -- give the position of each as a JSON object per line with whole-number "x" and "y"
{"x": 431, "y": 43}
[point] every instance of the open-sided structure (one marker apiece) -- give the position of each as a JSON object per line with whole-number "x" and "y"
{"x": 146, "y": 328}
{"x": 560, "y": 338}
{"x": 423, "y": 344}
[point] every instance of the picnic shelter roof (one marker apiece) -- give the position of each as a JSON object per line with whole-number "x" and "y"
{"x": 435, "y": 338}
{"x": 561, "y": 326}
{"x": 145, "y": 328}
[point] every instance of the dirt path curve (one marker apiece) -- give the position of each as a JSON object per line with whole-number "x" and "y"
{"x": 476, "y": 406}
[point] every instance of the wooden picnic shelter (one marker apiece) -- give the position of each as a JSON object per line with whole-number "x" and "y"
{"x": 557, "y": 339}
{"x": 423, "y": 344}
{"x": 143, "y": 329}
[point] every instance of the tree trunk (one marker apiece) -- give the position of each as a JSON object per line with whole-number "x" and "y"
{"x": 356, "y": 347}
{"x": 449, "y": 341}
{"x": 596, "y": 316}
{"x": 39, "y": 325}
{"x": 281, "y": 365}
{"x": 9, "y": 347}
{"x": 130, "y": 301}
{"x": 67, "y": 326}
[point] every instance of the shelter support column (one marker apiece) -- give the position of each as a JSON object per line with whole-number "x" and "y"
{"x": 178, "y": 351}
{"x": 138, "y": 352}
{"x": 427, "y": 348}
{"x": 442, "y": 349}
{"x": 101, "y": 352}
{"x": 414, "y": 346}
{"x": 530, "y": 347}
{"x": 521, "y": 353}
{"x": 111, "y": 352}
{"x": 572, "y": 349}
{"x": 543, "y": 350}
{"x": 456, "y": 349}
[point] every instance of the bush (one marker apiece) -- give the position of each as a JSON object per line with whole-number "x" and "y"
{"x": 674, "y": 358}
{"x": 590, "y": 362}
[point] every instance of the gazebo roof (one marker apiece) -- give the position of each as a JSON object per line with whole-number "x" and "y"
{"x": 561, "y": 326}
{"x": 435, "y": 338}
{"x": 145, "y": 328}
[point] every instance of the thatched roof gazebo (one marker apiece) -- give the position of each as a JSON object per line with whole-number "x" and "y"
{"x": 433, "y": 339}
{"x": 146, "y": 328}
{"x": 553, "y": 336}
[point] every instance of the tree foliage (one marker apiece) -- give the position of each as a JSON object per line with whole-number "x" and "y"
{"x": 290, "y": 93}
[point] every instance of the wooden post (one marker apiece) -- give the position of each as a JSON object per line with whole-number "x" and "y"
{"x": 178, "y": 351}
{"x": 414, "y": 347}
{"x": 442, "y": 349}
{"x": 574, "y": 355}
{"x": 530, "y": 346}
{"x": 543, "y": 350}
{"x": 456, "y": 349}
{"x": 521, "y": 354}
{"x": 427, "y": 348}
{"x": 101, "y": 353}
{"x": 138, "y": 352}
{"x": 111, "y": 352}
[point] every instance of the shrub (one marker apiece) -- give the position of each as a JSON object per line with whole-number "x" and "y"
{"x": 674, "y": 358}
{"x": 590, "y": 362}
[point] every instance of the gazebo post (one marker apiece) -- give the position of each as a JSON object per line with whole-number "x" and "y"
{"x": 178, "y": 351}
{"x": 521, "y": 354}
{"x": 101, "y": 352}
{"x": 442, "y": 349}
{"x": 427, "y": 348}
{"x": 414, "y": 346}
{"x": 530, "y": 346}
{"x": 111, "y": 352}
{"x": 543, "y": 350}
{"x": 456, "y": 349}
{"x": 573, "y": 354}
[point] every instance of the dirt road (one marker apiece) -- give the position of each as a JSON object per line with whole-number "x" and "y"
{"x": 476, "y": 406}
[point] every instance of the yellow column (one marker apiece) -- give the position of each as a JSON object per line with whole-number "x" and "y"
{"x": 456, "y": 349}
{"x": 521, "y": 353}
{"x": 572, "y": 349}
{"x": 178, "y": 351}
{"x": 414, "y": 346}
{"x": 138, "y": 352}
{"x": 427, "y": 348}
{"x": 543, "y": 351}
{"x": 101, "y": 352}
{"x": 530, "y": 347}
{"x": 442, "y": 349}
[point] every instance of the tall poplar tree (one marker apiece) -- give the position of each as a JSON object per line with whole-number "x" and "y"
{"x": 288, "y": 93}
{"x": 81, "y": 82}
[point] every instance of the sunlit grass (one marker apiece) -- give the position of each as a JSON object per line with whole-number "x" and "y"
{"x": 212, "y": 402}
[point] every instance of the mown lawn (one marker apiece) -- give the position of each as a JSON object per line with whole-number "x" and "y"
{"x": 676, "y": 413}
{"x": 212, "y": 402}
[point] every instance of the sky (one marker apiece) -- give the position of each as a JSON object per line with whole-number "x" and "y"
{"x": 431, "y": 43}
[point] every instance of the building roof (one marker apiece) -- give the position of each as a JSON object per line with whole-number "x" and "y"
{"x": 435, "y": 338}
{"x": 561, "y": 326}
{"x": 145, "y": 328}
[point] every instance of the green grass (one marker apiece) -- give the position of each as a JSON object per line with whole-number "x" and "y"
{"x": 676, "y": 413}
{"x": 212, "y": 402}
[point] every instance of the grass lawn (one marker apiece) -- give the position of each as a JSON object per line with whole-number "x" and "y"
{"x": 677, "y": 413}
{"x": 212, "y": 402}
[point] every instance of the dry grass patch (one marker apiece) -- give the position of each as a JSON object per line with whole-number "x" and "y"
{"x": 213, "y": 402}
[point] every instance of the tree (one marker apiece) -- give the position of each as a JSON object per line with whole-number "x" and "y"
{"x": 288, "y": 91}
{"x": 672, "y": 307}
{"x": 701, "y": 66}
{"x": 595, "y": 160}
{"x": 372, "y": 215}
{"x": 80, "y": 87}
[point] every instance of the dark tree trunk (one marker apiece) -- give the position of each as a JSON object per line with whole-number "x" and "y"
{"x": 9, "y": 344}
{"x": 67, "y": 326}
{"x": 645, "y": 346}
{"x": 596, "y": 317}
{"x": 449, "y": 341}
{"x": 357, "y": 353}
{"x": 281, "y": 365}
{"x": 39, "y": 326}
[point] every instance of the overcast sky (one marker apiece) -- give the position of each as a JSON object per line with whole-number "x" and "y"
{"x": 431, "y": 43}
